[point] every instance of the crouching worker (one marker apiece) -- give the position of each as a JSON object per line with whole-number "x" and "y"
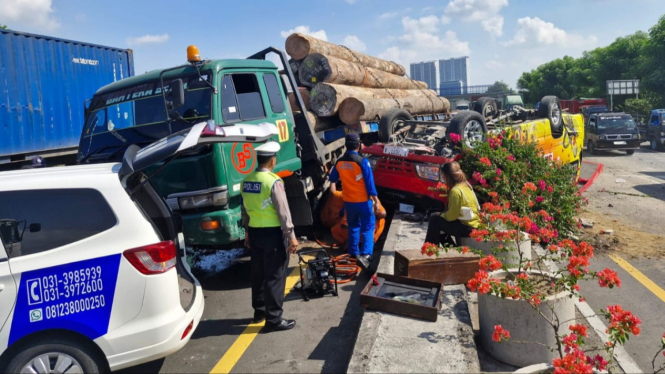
{"x": 269, "y": 235}
{"x": 360, "y": 198}
{"x": 340, "y": 227}
{"x": 461, "y": 215}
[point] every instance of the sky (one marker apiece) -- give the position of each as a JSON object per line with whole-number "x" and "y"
{"x": 503, "y": 38}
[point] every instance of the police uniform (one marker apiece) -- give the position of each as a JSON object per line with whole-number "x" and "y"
{"x": 355, "y": 172}
{"x": 267, "y": 219}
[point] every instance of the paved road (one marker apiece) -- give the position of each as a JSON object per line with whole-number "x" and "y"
{"x": 322, "y": 340}
{"x": 618, "y": 197}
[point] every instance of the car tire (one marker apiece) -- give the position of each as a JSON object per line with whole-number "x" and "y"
{"x": 470, "y": 126}
{"x": 550, "y": 108}
{"x": 655, "y": 146}
{"x": 390, "y": 123}
{"x": 486, "y": 106}
{"x": 592, "y": 148}
{"x": 630, "y": 152}
{"x": 56, "y": 352}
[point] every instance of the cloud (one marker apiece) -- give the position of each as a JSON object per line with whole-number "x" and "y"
{"x": 493, "y": 25}
{"x": 422, "y": 40}
{"x": 534, "y": 31}
{"x": 354, "y": 43}
{"x": 475, "y": 10}
{"x": 493, "y": 65}
{"x": 445, "y": 20}
{"x": 387, "y": 15}
{"x": 147, "y": 39}
{"x": 484, "y": 11}
{"x": 321, "y": 34}
{"x": 31, "y": 13}
{"x": 351, "y": 1}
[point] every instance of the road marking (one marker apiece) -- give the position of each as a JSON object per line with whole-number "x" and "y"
{"x": 238, "y": 348}
{"x": 646, "y": 282}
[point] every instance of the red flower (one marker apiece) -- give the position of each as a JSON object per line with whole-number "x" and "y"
{"x": 542, "y": 185}
{"x": 528, "y": 186}
{"x": 550, "y": 189}
{"x": 599, "y": 362}
{"x": 622, "y": 321}
{"x": 498, "y": 172}
{"x": 490, "y": 263}
{"x": 511, "y": 157}
{"x": 455, "y": 138}
{"x": 579, "y": 330}
{"x": 522, "y": 276}
{"x": 540, "y": 199}
{"x": 465, "y": 249}
{"x": 500, "y": 334}
{"x": 486, "y": 161}
{"x": 429, "y": 249}
{"x": 535, "y": 300}
{"x": 576, "y": 287}
{"x": 608, "y": 278}
{"x": 573, "y": 362}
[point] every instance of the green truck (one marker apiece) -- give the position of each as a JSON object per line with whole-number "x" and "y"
{"x": 204, "y": 187}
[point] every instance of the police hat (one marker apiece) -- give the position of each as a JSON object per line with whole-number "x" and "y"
{"x": 268, "y": 150}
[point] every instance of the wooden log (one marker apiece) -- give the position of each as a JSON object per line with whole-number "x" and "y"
{"x": 326, "y": 98}
{"x": 322, "y": 123}
{"x": 318, "y": 68}
{"x": 352, "y": 110}
{"x": 304, "y": 93}
{"x": 298, "y": 46}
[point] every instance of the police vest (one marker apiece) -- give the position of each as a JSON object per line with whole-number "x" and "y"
{"x": 351, "y": 174}
{"x": 256, "y": 196}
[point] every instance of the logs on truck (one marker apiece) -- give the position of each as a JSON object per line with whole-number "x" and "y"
{"x": 347, "y": 87}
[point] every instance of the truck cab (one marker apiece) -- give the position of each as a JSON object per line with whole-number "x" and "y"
{"x": 612, "y": 131}
{"x": 203, "y": 186}
{"x": 655, "y": 133}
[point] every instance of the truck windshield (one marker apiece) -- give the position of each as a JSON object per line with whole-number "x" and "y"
{"x": 595, "y": 109}
{"x": 143, "y": 106}
{"x": 616, "y": 123}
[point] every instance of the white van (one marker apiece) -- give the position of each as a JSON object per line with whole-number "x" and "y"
{"x": 92, "y": 269}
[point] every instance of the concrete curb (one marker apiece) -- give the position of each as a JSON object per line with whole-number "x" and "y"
{"x": 372, "y": 320}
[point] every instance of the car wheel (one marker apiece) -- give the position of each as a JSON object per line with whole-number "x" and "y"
{"x": 654, "y": 145}
{"x": 630, "y": 152}
{"x": 486, "y": 106}
{"x": 470, "y": 126}
{"x": 55, "y": 356}
{"x": 550, "y": 108}
{"x": 591, "y": 148}
{"x": 391, "y": 122}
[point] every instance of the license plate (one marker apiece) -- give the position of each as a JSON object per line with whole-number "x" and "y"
{"x": 396, "y": 151}
{"x": 619, "y": 143}
{"x": 406, "y": 208}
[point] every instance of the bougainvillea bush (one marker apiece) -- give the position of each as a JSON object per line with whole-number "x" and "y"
{"x": 503, "y": 165}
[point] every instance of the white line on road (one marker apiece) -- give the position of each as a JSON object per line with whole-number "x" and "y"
{"x": 620, "y": 355}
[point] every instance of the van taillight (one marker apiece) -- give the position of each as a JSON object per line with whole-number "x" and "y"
{"x": 152, "y": 259}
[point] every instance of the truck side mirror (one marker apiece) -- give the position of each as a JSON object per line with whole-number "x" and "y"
{"x": 177, "y": 93}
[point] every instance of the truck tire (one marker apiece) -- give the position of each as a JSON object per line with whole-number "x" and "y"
{"x": 550, "y": 108}
{"x": 592, "y": 148}
{"x": 392, "y": 121}
{"x": 655, "y": 145}
{"x": 470, "y": 125}
{"x": 486, "y": 106}
{"x": 74, "y": 356}
{"x": 630, "y": 152}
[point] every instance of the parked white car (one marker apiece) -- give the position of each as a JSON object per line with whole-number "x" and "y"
{"x": 93, "y": 274}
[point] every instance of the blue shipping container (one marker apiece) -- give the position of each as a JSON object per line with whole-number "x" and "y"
{"x": 44, "y": 82}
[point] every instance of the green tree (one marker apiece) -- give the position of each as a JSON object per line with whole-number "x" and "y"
{"x": 499, "y": 86}
{"x": 655, "y": 67}
{"x": 2, "y": 27}
{"x": 638, "y": 106}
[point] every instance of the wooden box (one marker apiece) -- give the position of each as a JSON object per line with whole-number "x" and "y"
{"x": 382, "y": 296}
{"x": 449, "y": 268}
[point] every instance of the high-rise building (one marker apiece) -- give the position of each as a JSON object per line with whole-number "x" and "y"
{"x": 446, "y": 76}
{"x": 427, "y": 72}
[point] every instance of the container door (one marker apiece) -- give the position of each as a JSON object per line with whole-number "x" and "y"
{"x": 7, "y": 287}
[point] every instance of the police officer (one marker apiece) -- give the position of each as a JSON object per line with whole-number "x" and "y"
{"x": 360, "y": 198}
{"x": 269, "y": 235}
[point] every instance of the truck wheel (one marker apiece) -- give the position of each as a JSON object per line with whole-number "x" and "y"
{"x": 391, "y": 122}
{"x": 591, "y": 148}
{"x": 486, "y": 106}
{"x": 655, "y": 145}
{"x": 550, "y": 108}
{"x": 630, "y": 152}
{"x": 55, "y": 356}
{"x": 470, "y": 125}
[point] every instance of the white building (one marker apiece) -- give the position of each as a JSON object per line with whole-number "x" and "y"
{"x": 446, "y": 76}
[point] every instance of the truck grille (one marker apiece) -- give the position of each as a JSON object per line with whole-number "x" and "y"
{"x": 619, "y": 137}
{"x": 396, "y": 166}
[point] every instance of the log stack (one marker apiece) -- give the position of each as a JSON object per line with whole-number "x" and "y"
{"x": 345, "y": 86}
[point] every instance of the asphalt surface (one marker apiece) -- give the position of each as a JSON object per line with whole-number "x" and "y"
{"x": 322, "y": 341}
{"x": 631, "y": 191}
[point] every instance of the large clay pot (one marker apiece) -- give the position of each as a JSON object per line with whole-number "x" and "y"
{"x": 510, "y": 258}
{"x": 535, "y": 369}
{"x": 525, "y": 324}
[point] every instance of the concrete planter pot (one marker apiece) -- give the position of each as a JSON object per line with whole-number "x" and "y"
{"x": 544, "y": 368}
{"x": 525, "y": 324}
{"x": 510, "y": 258}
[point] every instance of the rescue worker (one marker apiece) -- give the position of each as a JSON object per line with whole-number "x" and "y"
{"x": 360, "y": 198}
{"x": 269, "y": 235}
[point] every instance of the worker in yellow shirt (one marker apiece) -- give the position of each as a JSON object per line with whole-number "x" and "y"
{"x": 462, "y": 207}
